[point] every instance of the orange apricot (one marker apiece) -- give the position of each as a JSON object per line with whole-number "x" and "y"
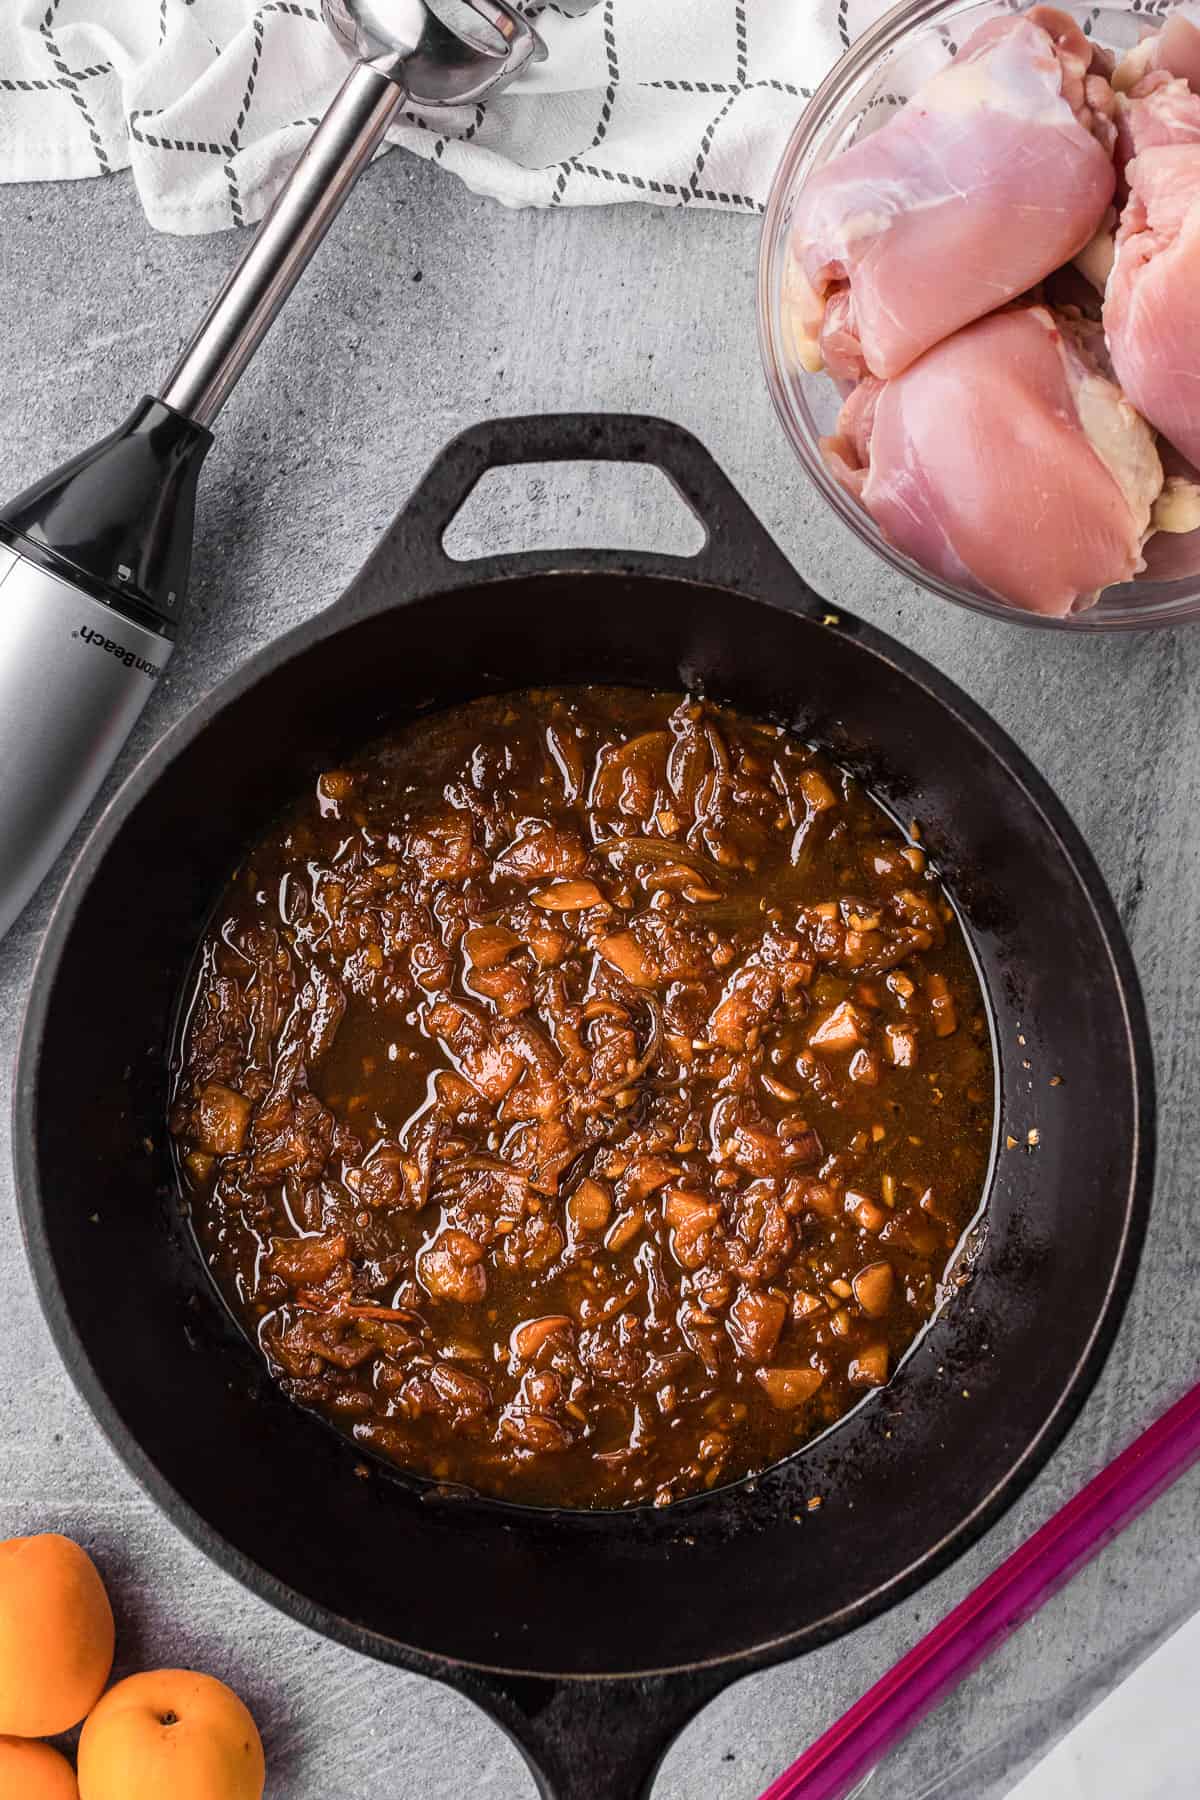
{"x": 171, "y": 1733}
{"x": 56, "y": 1635}
{"x": 33, "y": 1771}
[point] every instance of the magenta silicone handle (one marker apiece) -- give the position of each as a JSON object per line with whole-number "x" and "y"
{"x": 1009, "y": 1596}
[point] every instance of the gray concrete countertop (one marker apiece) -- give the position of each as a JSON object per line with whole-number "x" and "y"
{"x": 427, "y": 310}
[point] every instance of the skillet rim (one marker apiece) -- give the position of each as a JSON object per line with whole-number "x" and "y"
{"x": 495, "y": 571}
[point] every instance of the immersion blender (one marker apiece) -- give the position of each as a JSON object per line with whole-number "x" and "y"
{"x": 94, "y": 558}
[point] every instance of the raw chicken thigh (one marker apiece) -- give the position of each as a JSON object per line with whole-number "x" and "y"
{"x": 1004, "y": 461}
{"x": 1161, "y": 110}
{"x": 1175, "y": 49}
{"x": 996, "y": 172}
{"x": 1152, "y": 300}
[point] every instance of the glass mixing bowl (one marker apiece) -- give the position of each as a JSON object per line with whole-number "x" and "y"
{"x": 871, "y": 82}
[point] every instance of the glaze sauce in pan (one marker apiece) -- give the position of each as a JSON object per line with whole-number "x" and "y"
{"x": 583, "y": 1095}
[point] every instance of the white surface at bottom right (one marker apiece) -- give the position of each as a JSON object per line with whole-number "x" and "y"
{"x": 1142, "y": 1743}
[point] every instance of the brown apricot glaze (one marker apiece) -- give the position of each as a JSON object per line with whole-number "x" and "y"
{"x": 583, "y": 1095}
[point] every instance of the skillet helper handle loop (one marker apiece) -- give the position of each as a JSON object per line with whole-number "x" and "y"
{"x": 738, "y": 550}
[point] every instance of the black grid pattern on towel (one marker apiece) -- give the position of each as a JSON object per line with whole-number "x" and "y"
{"x": 227, "y": 149}
{"x": 277, "y": 28}
{"x": 586, "y": 163}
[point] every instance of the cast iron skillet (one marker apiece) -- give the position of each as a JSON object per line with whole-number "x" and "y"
{"x": 591, "y": 1638}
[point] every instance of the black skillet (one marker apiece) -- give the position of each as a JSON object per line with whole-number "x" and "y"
{"x": 591, "y": 1638}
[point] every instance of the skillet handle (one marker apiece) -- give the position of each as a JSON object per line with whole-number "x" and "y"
{"x": 738, "y": 551}
{"x": 593, "y": 1740}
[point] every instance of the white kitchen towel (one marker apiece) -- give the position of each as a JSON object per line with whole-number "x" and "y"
{"x": 678, "y": 102}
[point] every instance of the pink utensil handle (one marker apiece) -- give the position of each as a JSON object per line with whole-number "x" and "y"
{"x": 1009, "y": 1596}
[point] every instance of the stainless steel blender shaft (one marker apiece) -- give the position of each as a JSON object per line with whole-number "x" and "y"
{"x": 403, "y": 48}
{"x": 234, "y": 326}
{"x": 95, "y": 556}
{"x": 77, "y": 661}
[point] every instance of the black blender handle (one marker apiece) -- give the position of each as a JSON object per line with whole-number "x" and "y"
{"x": 737, "y": 552}
{"x": 603, "y": 1739}
{"x": 116, "y": 521}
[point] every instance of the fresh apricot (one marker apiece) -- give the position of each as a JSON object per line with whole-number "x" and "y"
{"x": 56, "y": 1635}
{"x": 171, "y": 1735}
{"x": 33, "y": 1771}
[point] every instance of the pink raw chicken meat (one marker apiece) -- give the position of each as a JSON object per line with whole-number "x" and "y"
{"x": 1175, "y": 49}
{"x": 1004, "y": 462}
{"x": 998, "y": 171}
{"x": 1160, "y": 110}
{"x": 1152, "y": 300}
